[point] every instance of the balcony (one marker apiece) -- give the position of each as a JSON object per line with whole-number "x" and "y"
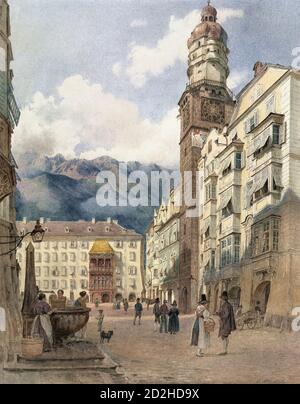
{"x": 100, "y": 270}
{"x": 230, "y": 224}
{"x": 230, "y": 272}
{"x": 272, "y": 154}
{"x": 211, "y": 276}
{"x": 233, "y": 178}
{"x": 209, "y": 83}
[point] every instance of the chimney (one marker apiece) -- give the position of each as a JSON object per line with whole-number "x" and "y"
{"x": 109, "y": 220}
{"x": 42, "y": 220}
{"x": 24, "y": 220}
{"x": 258, "y": 68}
{"x": 115, "y": 221}
{"x": 94, "y": 220}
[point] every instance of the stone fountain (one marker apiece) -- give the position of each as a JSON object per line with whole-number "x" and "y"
{"x": 67, "y": 322}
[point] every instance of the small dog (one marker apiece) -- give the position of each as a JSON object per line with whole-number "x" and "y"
{"x": 106, "y": 335}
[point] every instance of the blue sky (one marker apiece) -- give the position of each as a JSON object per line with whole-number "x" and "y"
{"x": 129, "y": 54}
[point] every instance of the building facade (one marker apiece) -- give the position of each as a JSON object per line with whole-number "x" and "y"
{"x": 102, "y": 273}
{"x": 205, "y": 104}
{"x": 62, "y": 260}
{"x": 162, "y": 253}
{"x": 249, "y": 224}
{"x": 9, "y": 116}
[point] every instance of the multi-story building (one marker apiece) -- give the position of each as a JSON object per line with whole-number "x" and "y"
{"x": 62, "y": 260}
{"x": 205, "y": 104}
{"x": 9, "y": 117}
{"x": 162, "y": 260}
{"x": 250, "y": 244}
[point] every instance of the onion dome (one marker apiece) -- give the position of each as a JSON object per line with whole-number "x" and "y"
{"x": 209, "y": 27}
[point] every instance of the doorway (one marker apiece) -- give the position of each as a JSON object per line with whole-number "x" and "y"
{"x": 261, "y": 296}
{"x": 105, "y": 298}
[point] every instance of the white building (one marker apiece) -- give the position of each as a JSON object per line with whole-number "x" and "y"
{"x": 62, "y": 259}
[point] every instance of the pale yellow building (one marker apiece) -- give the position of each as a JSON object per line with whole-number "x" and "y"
{"x": 62, "y": 259}
{"x": 162, "y": 252}
{"x": 249, "y": 226}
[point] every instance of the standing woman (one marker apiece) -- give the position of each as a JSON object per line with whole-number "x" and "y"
{"x": 174, "y": 319}
{"x": 200, "y": 337}
{"x": 42, "y": 326}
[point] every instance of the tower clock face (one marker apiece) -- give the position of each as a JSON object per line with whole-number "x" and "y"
{"x": 213, "y": 111}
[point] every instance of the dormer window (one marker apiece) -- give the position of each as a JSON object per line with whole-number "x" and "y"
{"x": 67, "y": 230}
{"x": 89, "y": 229}
{"x": 107, "y": 229}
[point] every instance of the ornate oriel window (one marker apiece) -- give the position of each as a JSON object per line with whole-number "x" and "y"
{"x": 230, "y": 250}
{"x": 265, "y": 236}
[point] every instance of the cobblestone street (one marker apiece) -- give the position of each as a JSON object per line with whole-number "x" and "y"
{"x": 259, "y": 356}
{"x": 145, "y": 356}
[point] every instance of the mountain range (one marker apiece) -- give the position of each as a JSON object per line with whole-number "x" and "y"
{"x": 62, "y": 189}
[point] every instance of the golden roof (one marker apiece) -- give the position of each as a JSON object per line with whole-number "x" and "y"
{"x": 101, "y": 247}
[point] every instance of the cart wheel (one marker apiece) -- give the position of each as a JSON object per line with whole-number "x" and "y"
{"x": 251, "y": 324}
{"x": 240, "y": 324}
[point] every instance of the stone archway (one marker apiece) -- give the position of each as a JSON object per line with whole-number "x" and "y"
{"x": 105, "y": 298}
{"x": 184, "y": 300}
{"x": 132, "y": 297}
{"x": 234, "y": 296}
{"x": 261, "y": 296}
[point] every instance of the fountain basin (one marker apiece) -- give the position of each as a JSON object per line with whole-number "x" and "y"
{"x": 67, "y": 322}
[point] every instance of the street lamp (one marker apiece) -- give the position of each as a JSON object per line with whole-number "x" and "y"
{"x": 37, "y": 235}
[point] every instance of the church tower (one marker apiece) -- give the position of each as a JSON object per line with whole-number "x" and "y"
{"x": 205, "y": 104}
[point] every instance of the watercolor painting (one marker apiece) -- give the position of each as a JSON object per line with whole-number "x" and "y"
{"x": 149, "y": 194}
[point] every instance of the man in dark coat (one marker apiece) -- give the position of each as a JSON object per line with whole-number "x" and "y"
{"x": 227, "y": 321}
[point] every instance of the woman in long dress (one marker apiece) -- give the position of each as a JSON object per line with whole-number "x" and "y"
{"x": 42, "y": 326}
{"x": 200, "y": 337}
{"x": 174, "y": 319}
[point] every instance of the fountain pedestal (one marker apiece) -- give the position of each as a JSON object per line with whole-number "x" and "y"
{"x": 68, "y": 322}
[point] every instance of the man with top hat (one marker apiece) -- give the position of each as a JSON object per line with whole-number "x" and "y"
{"x": 227, "y": 321}
{"x": 164, "y": 314}
{"x": 200, "y": 337}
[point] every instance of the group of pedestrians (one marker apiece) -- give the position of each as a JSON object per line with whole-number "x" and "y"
{"x": 166, "y": 317}
{"x": 166, "y": 320}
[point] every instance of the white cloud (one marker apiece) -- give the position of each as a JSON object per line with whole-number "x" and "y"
{"x": 82, "y": 116}
{"x": 117, "y": 69}
{"x": 237, "y": 78}
{"x": 138, "y": 23}
{"x": 146, "y": 62}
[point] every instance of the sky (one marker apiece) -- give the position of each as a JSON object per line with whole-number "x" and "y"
{"x": 103, "y": 77}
